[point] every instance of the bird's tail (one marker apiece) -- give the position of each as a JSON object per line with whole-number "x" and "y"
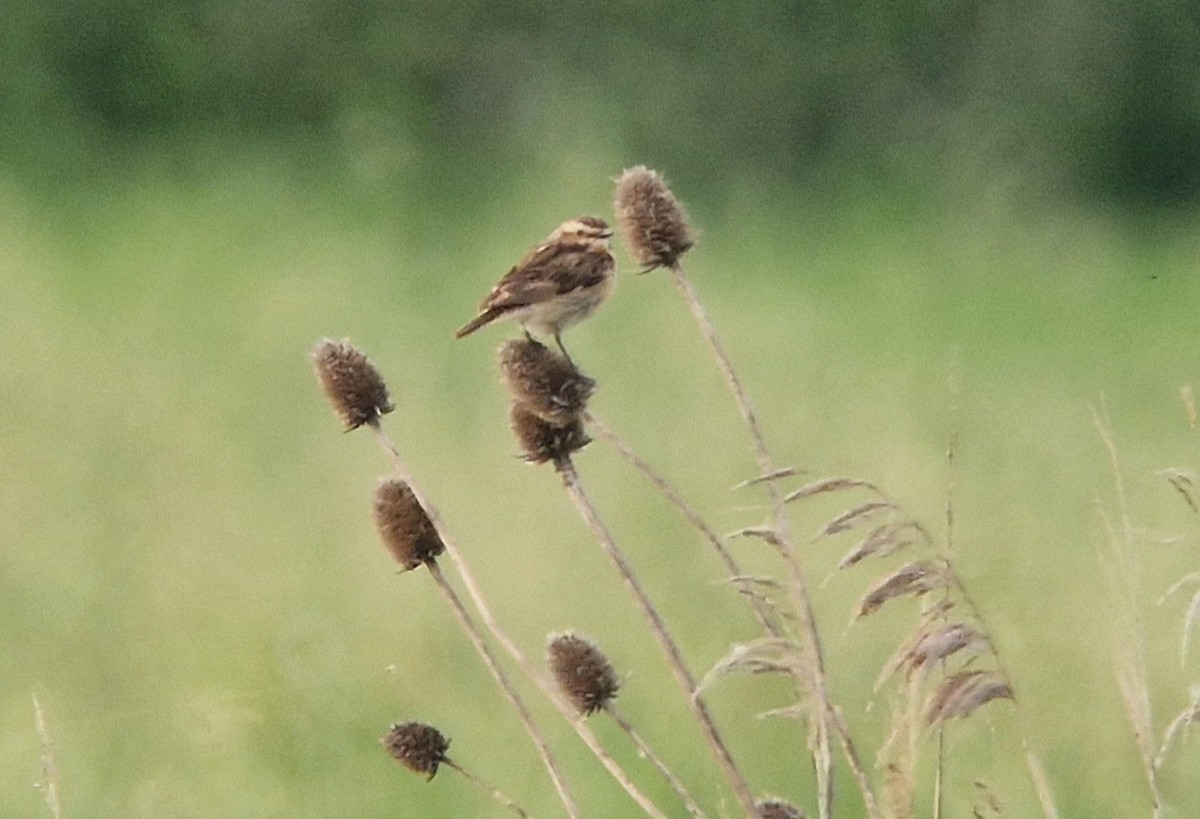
{"x": 477, "y": 322}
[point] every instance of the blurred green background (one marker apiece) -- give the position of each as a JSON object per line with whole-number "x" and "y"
{"x": 894, "y": 198}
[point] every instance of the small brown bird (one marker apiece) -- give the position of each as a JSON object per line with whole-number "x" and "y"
{"x": 559, "y": 283}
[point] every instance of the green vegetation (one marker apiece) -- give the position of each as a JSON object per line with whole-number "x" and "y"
{"x": 190, "y": 582}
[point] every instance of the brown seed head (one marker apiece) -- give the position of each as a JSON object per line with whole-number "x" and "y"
{"x": 582, "y": 672}
{"x": 404, "y": 526}
{"x": 544, "y": 441}
{"x": 351, "y": 383}
{"x": 416, "y": 746}
{"x": 961, "y": 694}
{"x": 651, "y": 219}
{"x": 547, "y": 383}
{"x": 777, "y": 809}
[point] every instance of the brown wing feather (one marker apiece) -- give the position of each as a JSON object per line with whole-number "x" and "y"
{"x": 549, "y": 270}
{"x": 584, "y": 268}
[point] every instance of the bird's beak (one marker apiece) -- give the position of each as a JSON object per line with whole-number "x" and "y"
{"x": 606, "y": 234}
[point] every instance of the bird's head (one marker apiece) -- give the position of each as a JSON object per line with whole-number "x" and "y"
{"x": 585, "y": 229}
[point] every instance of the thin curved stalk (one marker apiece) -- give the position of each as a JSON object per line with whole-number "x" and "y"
{"x": 644, "y": 749}
{"x": 514, "y": 699}
{"x": 481, "y": 605}
{"x": 658, "y": 628}
{"x": 488, "y": 788}
{"x": 798, "y": 588}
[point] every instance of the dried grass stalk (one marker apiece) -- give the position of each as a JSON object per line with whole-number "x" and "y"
{"x": 50, "y": 785}
{"x": 882, "y": 541}
{"x": 766, "y": 655}
{"x": 854, "y": 517}
{"x": 932, "y": 642}
{"x": 1191, "y": 615}
{"x": 825, "y": 485}
{"x": 1184, "y": 481}
{"x": 914, "y": 579}
{"x": 776, "y": 475}
{"x": 898, "y": 792}
{"x": 1041, "y": 784}
{"x": 1189, "y": 716}
{"x": 766, "y": 533}
{"x": 961, "y": 694}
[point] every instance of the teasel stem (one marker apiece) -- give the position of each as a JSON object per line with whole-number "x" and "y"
{"x": 481, "y": 605}
{"x": 514, "y": 699}
{"x": 690, "y": 297}
{"x": 645, "y": 750}
{"x": 488, "y": 788}
{"x": 757, "y": 601}
{"x": 672, "y": 496}
{"x": 593, "y": 743}
{"x": 798, "y": 587}
{"x": 675, "y": 662}
{"x": 590, "y": 739}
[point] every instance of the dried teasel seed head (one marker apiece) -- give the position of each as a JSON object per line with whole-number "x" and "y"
{"x": 651, "y": 219}
{"x": 351, "y": 383}
{"x": 417, "y": 746}
{"x": 777, "y": 809}
{"x": 546, "y": 382}
{"x": 543, "y": 441}
{"x": 582, "y": 672}
{"x": 404, "y": 525}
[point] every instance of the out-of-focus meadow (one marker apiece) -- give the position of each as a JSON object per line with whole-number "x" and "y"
{"x": 917, "y": 222}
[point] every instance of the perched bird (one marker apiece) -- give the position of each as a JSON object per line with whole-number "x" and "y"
{"x": 558, "y": 283}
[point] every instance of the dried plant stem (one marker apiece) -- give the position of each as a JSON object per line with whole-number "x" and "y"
{"x": 514, "y": 699}
{"x": 645, "y": 750}
{"x": 463, "y": 570}
{"x": 468, "y": 626}
{"x": 49, "y": 785}
{"x": 947, "y": 554}
{"x": 1037, "y": 773}
{"x": 939, "y": 772}
{"x": 488, "y": 788}
{"x": 581, "y": 728}
{"x": 690, "y": 297}
{"x": 1123, "y": 576}
{"x": 850, "y": 752}
{"x": 798, "y": 589}
{"x": 1041, "y": 783}
{"x": 658, "y": 628}
{"x": 590, "y": 739}
{"x": 757, "y": 601}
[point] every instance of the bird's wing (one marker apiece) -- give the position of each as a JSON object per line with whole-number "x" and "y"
{"x": 548, "y": 270}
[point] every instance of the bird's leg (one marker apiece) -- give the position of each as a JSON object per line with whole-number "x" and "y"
{"x": 566, "y": 355}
